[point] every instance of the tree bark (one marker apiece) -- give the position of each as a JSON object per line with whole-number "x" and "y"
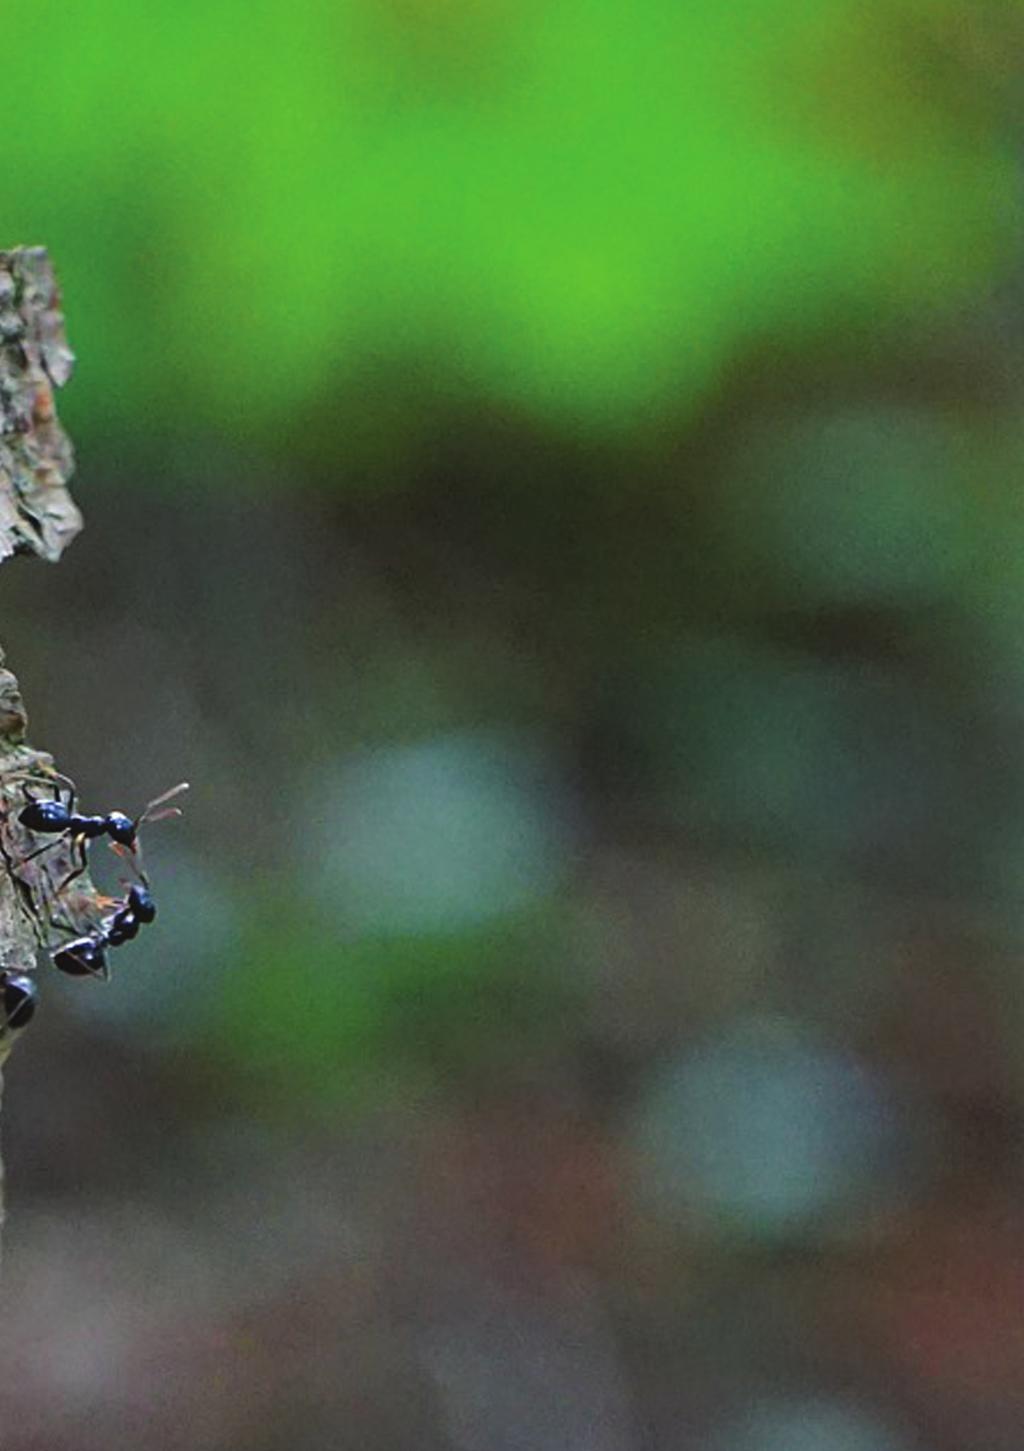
{"x": 37, "y": 516}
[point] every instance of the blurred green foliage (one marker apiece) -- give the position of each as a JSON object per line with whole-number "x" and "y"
{"x": 577, "y": 210}
{"x": 317, "y": 1021}
{"x": 586, "y": 986}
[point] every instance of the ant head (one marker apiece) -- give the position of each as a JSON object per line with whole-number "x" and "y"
{"x": 141, "y": 903}
{"x": 120, "y": 828}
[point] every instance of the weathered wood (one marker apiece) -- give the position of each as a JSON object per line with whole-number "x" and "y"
{"x": 37, "y": 516}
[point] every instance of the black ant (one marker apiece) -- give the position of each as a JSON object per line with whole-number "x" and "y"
{"x": 86, "y": 956}
{"x": 18, "y": 997}
{"x": 60, "y": 818}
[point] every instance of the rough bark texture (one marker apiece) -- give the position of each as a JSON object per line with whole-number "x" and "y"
{"x": 37, "y": 516}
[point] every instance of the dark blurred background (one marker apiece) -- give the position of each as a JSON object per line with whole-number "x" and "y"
{"x": 553, "y": 476}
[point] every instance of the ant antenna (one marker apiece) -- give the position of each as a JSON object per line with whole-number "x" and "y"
{"x": 125, "y": 840}
{"x": 149, "y": 814}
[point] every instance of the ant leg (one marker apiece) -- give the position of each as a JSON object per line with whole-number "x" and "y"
{"x": 47, "y": 846}
{"x": 55, "y": 896}
{"x": 77, "y": 871}
{"x": 134, "y": 856}
{"x": 55, "y": 781}
{"x": 23, "y": 893}
{"x": 72, "y": 876}
{"x": 29, "y": 798}
{"x": 52, "y": 778}
{"x": 63, "y": 924}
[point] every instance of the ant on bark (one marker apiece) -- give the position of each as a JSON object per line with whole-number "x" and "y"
{"x": 60, "y": 818}
{"x": 86, "y": 956}
{"x": 54, "y": 908}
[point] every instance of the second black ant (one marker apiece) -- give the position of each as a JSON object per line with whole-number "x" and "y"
{"x": 86, "y": 956}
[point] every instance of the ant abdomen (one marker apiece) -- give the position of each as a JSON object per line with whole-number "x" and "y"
{"x": 18, "y": 997}
{"x": 45, "y": 816}
{"x": 85, "y": 957}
